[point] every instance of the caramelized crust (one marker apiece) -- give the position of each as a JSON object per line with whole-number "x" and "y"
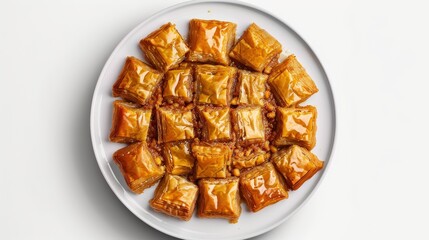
{"x": 256, "y": 48}
{"x": 138, "y": 166}
{"x": 211, "y": 160}
{"x": 175, "y": 196}
{"x": 296, "y": 125}
{"x": 290, "y": 83}
{"x": 249, "y": 161}
{"x": 210, "y": 41}
{"x": 214, "y": 84}
{"x": 220, "y": 130}
{"x": 251, "y": 87}
{"x": 249, "y": 125}
{"x": 296, "y": 164}
{"x": 178, "y": 158}
{"x": 130, "y": 122}
{"x": 174, "y": 125}
{"x": 219, "y": 198}
{"x": 165, "y": 47}
{"x": 216, "y": 123}
{"x": 262, "y": 186}
{"x": 178, "y": 85}
{"x": 137, "y": 81}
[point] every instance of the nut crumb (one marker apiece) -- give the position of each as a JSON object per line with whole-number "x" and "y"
{"x": 273, "y": 149}
{"x": 271, "y": 115}
{"x": 267, "y": 94}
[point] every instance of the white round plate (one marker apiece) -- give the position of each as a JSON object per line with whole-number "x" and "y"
{"x": 249, "y": 224}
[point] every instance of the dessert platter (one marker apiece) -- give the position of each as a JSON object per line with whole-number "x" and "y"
{"x": 207, "y": 124}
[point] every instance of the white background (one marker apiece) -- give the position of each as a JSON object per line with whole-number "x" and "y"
{"x": 375, "y": 52}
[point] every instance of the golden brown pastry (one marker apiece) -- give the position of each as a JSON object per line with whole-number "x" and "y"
{"x": 256, "y": 48}
{"x": 296, "y": 164}
{"x": 216, "y": 123}
{"x": 211, "y": 160}
{"x": 219, "y": 198}
{"x": 249, "y": 161}
{"x": 249, "y": 125}
{"x": 272, "y": 64}
{"x": 296, "y": 125}
{"x": 137, "y": 81}
{"x": 130, "y": 122}
{"x": 214, "y": 84}
{"x": 227, "y": 116}
{"x": 210, "y": 41}
{"x": 175, "y": 196}
{"x": 138, "y": 166}
{"x": 251, "y": 87}
{"x": 290, "y": 83}
{"x": 262, "y": 186}
{"x": 178, "y": 85}
{"x": 165, "y": 47}
{"x": 174, "y": 124}
{"x": 178, "y": 158}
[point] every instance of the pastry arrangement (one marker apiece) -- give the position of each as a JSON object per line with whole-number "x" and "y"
{"x": 214, "y": 121}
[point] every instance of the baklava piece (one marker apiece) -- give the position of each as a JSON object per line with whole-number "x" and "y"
{"x": 290, "y": 83}
{"x": 211, "y": 160}
{"x": 296, "y": 125}
{"x": 178, "y": 85}
{"x": 165, "y": 47}
{"x": 175, "y": 196}
{"x": 256, "y": 48}
{"x": 137, "y": 81}
{"x": 130, "y": 122}
{"x": 249, "y": 125}
{"x": 296, "y": 164}
{"x": 174, "y": 124}
{"x": 178, "y": 158}
{"x": 249, "y": 161}
{"x": 210, "y": 41}
{"x": 219, "y": 198}
{"x": 262, "y": 186}
{"x": 139, "y": 167}
{"x": 251, "y": 87}
{"x": 216, "y": 123}
{"x": 214, "y": 84}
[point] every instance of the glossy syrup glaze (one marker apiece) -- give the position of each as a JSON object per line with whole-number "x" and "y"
{"x": 211, "y": 126}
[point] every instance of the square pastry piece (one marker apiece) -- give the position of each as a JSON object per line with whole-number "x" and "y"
{"x": 165, "y": 47}
{"x": 211, "y": 160}
{"x": 296, "y": 125}
{"x": 175, "y": 196}
{"x": 256, "y": 48}
{"x": 290, "y": 83}
{"x": 219, "y": 198}
{"x": 262, "y": 186}
{"x": 139, "y": 166}
{"x": 214, "y": 84}
{"x": 174, "y": 124}
{"x": 178, "y": 85}
{"x": 216, "y": 123}
{"x": 210, "y": 41}
{"x": 249, "y": 125}
{"x": 130, "y": 122}
{"x": 251, "y": 87}
{"x": 137, "y": 81}
{"x": 296, "y": 164}
{"x": 178, "y": 158}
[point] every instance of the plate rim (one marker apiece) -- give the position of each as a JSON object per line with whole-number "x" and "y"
{"x": 243, "y": 4}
